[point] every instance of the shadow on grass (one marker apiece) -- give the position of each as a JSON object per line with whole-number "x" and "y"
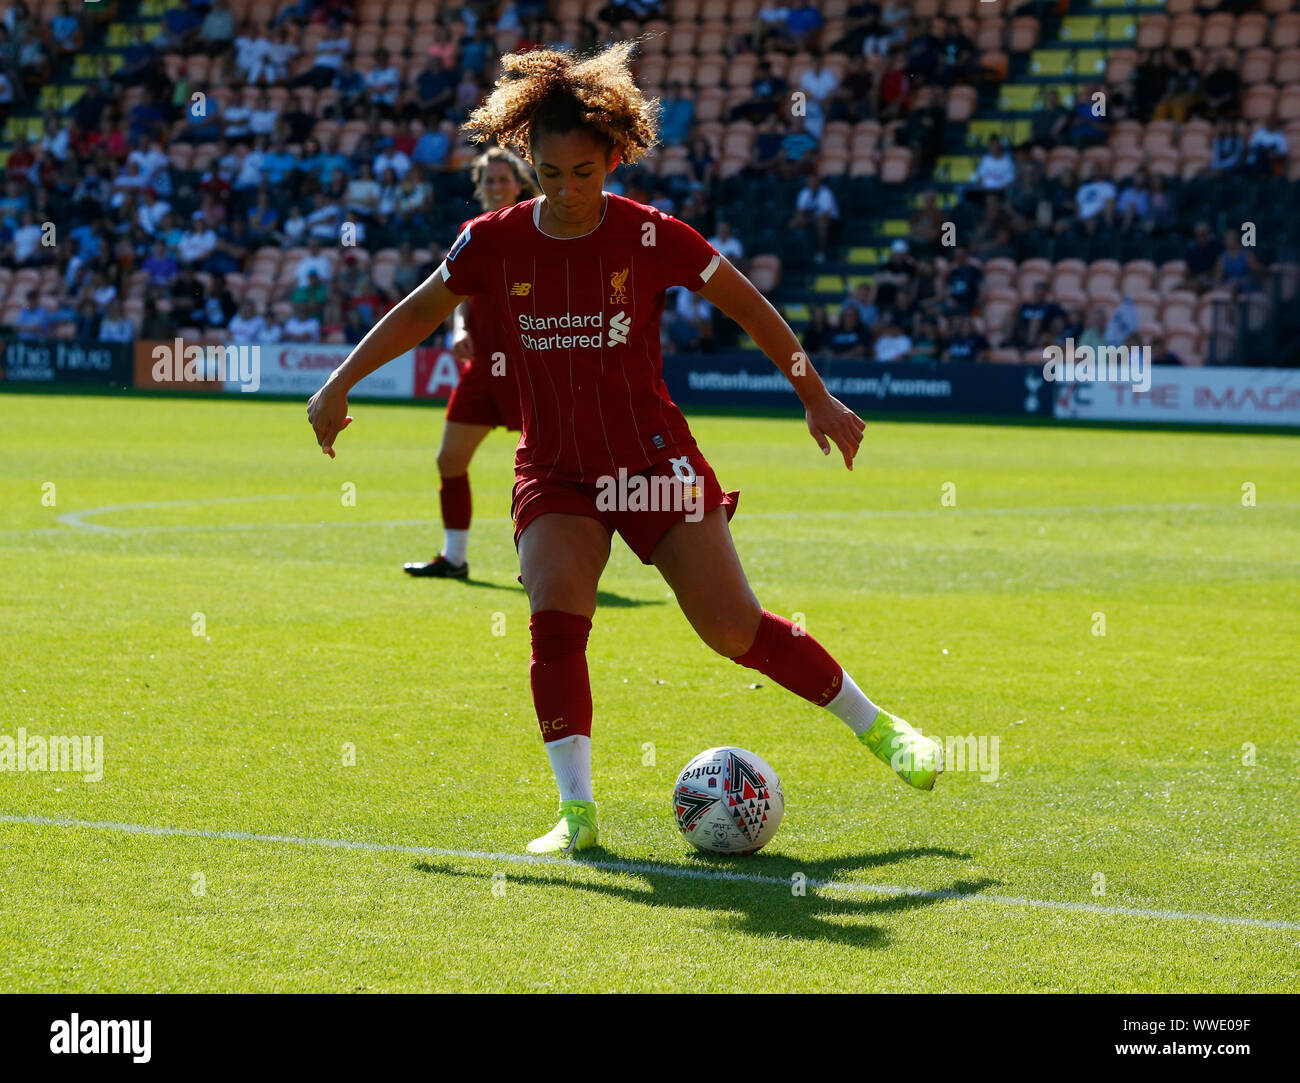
{"x": 603, "y": 597}
{"x": 766, "y": 907}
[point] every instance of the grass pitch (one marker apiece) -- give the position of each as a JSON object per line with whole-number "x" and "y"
{"x": 204, "y": 596}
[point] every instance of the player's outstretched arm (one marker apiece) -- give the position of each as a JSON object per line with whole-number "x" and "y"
{"x": 402, "y": 328}
{"x": 829, "y": 420}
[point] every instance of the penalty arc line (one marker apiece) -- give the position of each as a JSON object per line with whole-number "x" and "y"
{"x": 650, "y": 869}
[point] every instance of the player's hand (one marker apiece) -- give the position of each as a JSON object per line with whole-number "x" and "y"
{"x": 328, "y": 413}
{"x": 463, "y": 348}
{"x": 831, "y": 422}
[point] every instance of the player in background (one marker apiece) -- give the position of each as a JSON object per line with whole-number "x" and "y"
{"x": 486, "y": 395}
{"x": 581, "y": 274}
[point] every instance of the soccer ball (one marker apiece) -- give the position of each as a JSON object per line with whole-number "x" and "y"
{"x": 728, "y": 801}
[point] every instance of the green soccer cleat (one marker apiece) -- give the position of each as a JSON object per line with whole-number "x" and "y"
{"x": 917, "y": 759}
{"x": 576, "y": 830}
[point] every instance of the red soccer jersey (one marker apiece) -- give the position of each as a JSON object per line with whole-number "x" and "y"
{"x": 483, "y": 323}
{"x": 582, "y": 319}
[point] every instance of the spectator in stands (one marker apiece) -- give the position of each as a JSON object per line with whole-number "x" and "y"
{"x": 116, "y": 326}
{"x": 1150, "y": 77}
{"x": 996, "y": 170}
{"x": 849, "y": 339}
{"x": 1229, "y": 147}
{"x": 312, "y": 295}
{"x": 688, "y": 321}
{"x": 1134, "y": 206}
{"x": 993, "y": 229}
{"x": 798, "y": 148}
{"x": 197, "y": 243}
{"x": 433, "y": 147}
{"x": 817, "y": 334}
{"x": 860, "y": 300}
{"x": 1051, "y": 124}
{"x": 956, "y": 54}
{"x": 86, "y": 324}
{"x": 217, "y": 32}
{"x": 1202, "y": 258}
{"x": 1095, "y": 199}
{"x": 328, "y": 59}
{"x": 1223, "y": 86}
{"x": 414, "y": 202}
{"x": 33, "y": 63}
{"x": 889, "y": 31}
{"x": 895, "y": 277}
{"x": 247, "y": 326}
{"x": 819, "y": 84}
{"x": 1237, "y": 269}
{"x": 65, "y": 30}
{"x": 1038, "y": 319}
{"x": 362, "y": 197}
{"x": 965, "y": 343}
{"x": 769, "y": 91}
{"x": 234, "y": 247}
{"x": 851, "y": 101}
{"x": 314, "y": 262}
{"x": 961, "y": 287}
{"x": 1182, "y": 87}
{"x": 893, "y": 88}
{"x": 927, "y": 344}
{"x": 925, "y": 226}
{"x": 25, "y": 247}
{"x": 160, "y": 266}
{"x": 815, "y": 206}
{"x": 391, "y": 159}
{"x": 1088, "y": 128}
{"x": 302, "y": 326}
{"x": 701, "y": 163}
{"x": 925, "y": 129}
{"x": 1094, "y": 334}
{"x": 678, "y": 114}
{"x": 1266, "y": 152}
{"x": 383, "y": 84}
{"x": 728, "y": 244}
{"x": 1161, "y": 354}
{"x": 893, "y": 344}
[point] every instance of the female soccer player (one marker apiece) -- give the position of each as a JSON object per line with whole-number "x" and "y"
{"x": 581, "y": 276}
{"x": 487, "y": 395}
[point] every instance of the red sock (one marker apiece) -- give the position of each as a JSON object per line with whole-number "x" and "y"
{"x": 795, "y": 661}
{"x": 454, "y": 497}
{"x": 558, "y": 674}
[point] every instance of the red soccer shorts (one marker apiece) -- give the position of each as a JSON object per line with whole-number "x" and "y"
{"x": 483, "y": 399}
{"x": 681, "y": 492}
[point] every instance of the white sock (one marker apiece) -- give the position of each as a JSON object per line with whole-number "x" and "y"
{"x": 571, "y": 762}
{"x": 453, "y": 548}
{"x": 852, "y": 707}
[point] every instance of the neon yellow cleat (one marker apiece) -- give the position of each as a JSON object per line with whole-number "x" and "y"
{"x": 576, "y": 830}
{"x": 917, "y": 759}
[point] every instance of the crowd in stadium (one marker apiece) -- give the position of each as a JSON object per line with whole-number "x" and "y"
{"x": 255, "y": 177}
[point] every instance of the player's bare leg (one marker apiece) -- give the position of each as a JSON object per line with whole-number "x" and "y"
{"x": 561, "y": 558}
{"x": 699, "y": 562}
{"x": 459, "y": 442}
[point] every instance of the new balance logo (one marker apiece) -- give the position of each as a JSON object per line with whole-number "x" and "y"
{"x": 619, "y": 326}
{"x": 521, "y": 289}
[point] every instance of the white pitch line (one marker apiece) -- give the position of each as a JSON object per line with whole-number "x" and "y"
{"x": 675, "y": 872}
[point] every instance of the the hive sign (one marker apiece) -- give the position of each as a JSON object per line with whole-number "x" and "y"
{"x": 748, "y": 798}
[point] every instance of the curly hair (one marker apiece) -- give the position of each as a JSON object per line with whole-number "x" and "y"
{"x": 551, "y": 90}
{"x": 478, "y": 173}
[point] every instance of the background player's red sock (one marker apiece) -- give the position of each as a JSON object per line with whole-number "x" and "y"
{"x": 456, "y": 511}
{"x": 562, "y": 697}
